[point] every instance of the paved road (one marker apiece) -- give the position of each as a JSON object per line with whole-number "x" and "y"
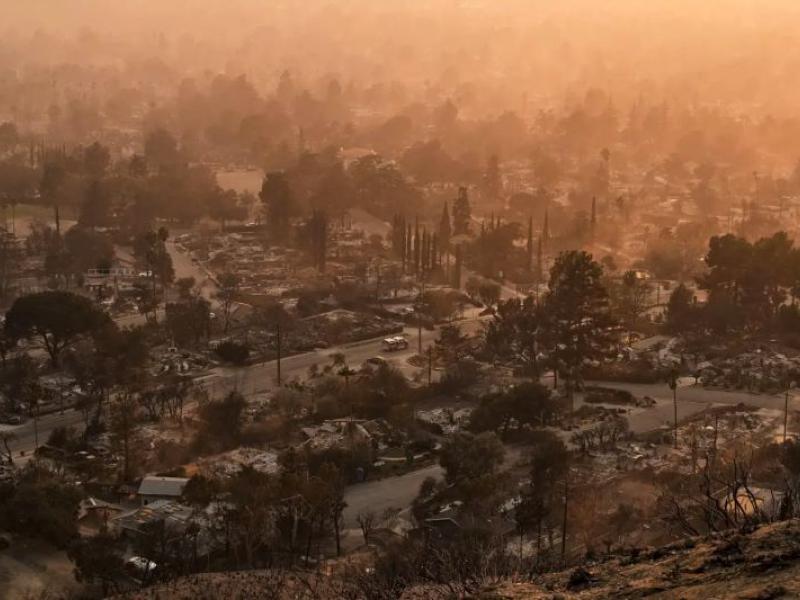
{"x": 261, "y": 378}
{"x": 184, "y": 267}
{"x": 691, "y": 400}
{"x": 698, "y": 393}
{"x": 392, "y": 492}
{"x": 26, "y": 434}
{"x": 250, "y": 381}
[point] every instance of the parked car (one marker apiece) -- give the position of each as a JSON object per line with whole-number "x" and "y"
{"x": 397, "y": 342}
{"x": 374, "y": 363}
{"x": 12, "y": 419}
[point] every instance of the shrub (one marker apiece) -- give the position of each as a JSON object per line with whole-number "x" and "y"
{"x": 233, "y": 352}
{"x": 632, "y": 372}
{"x": 601, "y": 395}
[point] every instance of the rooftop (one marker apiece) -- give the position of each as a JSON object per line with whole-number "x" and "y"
{"x": 162, "y": 486}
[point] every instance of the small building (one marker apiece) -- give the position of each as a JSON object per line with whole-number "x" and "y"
{"x": 177, "y": 524}
{"x": 154, "y": 487}
{"x": 94, "y": 515}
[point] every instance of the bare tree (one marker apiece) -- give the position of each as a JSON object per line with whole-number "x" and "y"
{"x": 366, "y": 521}
{"x": 228, "y": 289}
{"x": 6, "y": 437}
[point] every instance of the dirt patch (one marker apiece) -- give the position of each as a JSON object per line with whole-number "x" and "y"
{"x": 31, "y": 566}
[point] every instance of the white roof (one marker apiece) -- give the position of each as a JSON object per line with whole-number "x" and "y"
{"x": 162, "y": 486}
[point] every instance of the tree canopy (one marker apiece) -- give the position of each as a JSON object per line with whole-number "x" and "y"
{"x": 58, "y": 318}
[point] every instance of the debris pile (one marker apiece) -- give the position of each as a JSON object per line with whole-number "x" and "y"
{"x": 449, "y": 420}
{"x": 761, "y": 370}
{"x": 228, "y": 463}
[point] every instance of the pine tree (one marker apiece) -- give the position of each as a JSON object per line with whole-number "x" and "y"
{"x": 462, "y": 213}
{"x": 318, "y": 227}
{"x": 529, "y": 246}
{"x": 492, "y": 183}
{"x": 539, "y": 261}
{"x": 402, "y": 242}
{"x": 424, "y": 252}
{"x": 409, "y": 248}
{"x": 278, "y": 198}
{"x": 417, "y": 248}
{"x": 546, "y": 228}
{"x": 444, "y": 229}
{"x": 457, "y": 269}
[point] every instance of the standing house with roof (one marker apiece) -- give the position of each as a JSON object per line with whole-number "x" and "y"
{"x": 154, "y": 488}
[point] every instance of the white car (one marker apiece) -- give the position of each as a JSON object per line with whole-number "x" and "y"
{"x": 395, "y": 343}
{"x": 139, "y": 566}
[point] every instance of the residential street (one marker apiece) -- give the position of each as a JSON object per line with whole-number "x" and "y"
{"x": 392, "y": 492}
{"x": 252, "y": 380}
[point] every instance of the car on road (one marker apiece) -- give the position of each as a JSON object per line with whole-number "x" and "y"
{"x": 397, "y": 342}
{"x": 140, "y": 567}
{"x": 373, "y": 363}
{"x": 12, "y": 419}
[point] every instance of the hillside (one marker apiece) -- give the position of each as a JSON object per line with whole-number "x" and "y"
{"x": 762, "y": 565}
{"x": 757, "y": 566}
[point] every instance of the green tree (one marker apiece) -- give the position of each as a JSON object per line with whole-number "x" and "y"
{"x": 542, "y": 496}
{"x": 124, "y": 428}
{"x": 630, "y": 298}
{"x": 222, "y": 422}
{"x": 98, "y": 560}
{"x": 95, "y": 209}
{"x": 332, "y": 478}
{"x": 161, "y": 149}
{"x": 381, "y": 188}
{"x": 525, "y": 404}
{"x": 472, "y": 466}
{"x": 58, "y": 318}
{"x": 86, "y": 249}
{"x": 9, "y": 135}
{"x": 52, "y": 185}
{"x": 96, "y": 159}
{"x": 279, "y": 201}
{"x": 462, "y": 213}
{"x": 579, "y": 318}
{"x": 682, "y": 313}
{"x": 200, "y": 490}
{"x": 451, "y": 345}
{"x": 39, "y": 505}
{"x": 228, "y": 289}
{"x": 189, "y": 321}
{"x": 445, "y": 231}
{"x": 224, "y": 206}
{"x": 492, "y": 181}
{"x": 517, "y": 333}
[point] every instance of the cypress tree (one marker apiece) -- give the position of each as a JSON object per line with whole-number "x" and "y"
{"x": 530, "y": 243}
{"x": 546, "y": 228}
{"x": 457, "y": 269}
{"x": 416, "y": 247}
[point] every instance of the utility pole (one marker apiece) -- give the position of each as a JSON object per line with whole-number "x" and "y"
{"x": 430, "y": 373}
{"x": 675, "y": 410}
{"x": 564, "y": 519}
{"x": 673, "y": 385}
{"x": 786, "y": 410}
{"x": 35, "y": 424}
{"x": 378, "y": 281}
{"x": 278, "y": 333}
{"x": 419, "y": 319}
